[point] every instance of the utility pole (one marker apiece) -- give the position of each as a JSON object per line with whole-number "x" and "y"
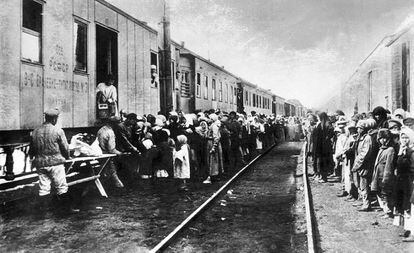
{"x": 166, "y": 89}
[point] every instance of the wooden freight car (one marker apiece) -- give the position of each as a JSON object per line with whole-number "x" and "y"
{"x": 54, "y": 53}
{"x": 254, "y": 98}
{"x": 204, "y": 85}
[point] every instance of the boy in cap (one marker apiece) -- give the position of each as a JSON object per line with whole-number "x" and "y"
{"x": 363, "y": 163}
{"x": 382, "y": 179}
{"x": 50, "y": 149}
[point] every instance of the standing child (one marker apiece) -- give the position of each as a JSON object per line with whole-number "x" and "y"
{"x": 382, "y": 179}
{"x": 404, "y": 175}
{"x": 182, "y": 161}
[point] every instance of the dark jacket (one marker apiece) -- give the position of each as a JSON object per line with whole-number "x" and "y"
{"x": 383, "y": 175}
{"x": 323, "y": 144}
{"x": 49, "y": 146}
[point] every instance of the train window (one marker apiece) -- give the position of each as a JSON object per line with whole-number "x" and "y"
{"x": 235, "y": 95}
{"x": 227, "y": 93}
{"x": 185, "y": 84}
{"x": 198, "y": 86}
{"x": 246, "y": 97}
{"x": 32, "y": 31}
{"x": 80, "y": 40}
{"x": 214, "y": 90}
{"x": 221, "y": 91}
{"x": 206, "y": 87}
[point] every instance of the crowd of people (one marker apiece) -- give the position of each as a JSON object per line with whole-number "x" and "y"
{"x": 372, "y": 154}
{"x": 199, "y": 147}
{"x": 203, "y": 146}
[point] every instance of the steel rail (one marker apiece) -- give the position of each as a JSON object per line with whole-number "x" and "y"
{"x": 306, "y": 189}
{"x": 168, "y": 239}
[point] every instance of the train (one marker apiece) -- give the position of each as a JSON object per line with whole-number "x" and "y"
{"x": 382, "y": 78}
{"x": 55, "y": 53}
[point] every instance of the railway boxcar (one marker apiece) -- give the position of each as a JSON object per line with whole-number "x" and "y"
{"x": 370, "y": 85}
{"x": 289, "y": 109}
{"x": 399, "y": 89}
{"x": 54, "y": 53}
{"x": 278, "y": 105}
{"x": 205, "y": 85}
{"x": 298, "y": 109}
{"x": 253, "y": 98}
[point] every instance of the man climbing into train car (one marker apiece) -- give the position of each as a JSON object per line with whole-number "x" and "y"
{"x": 49, "y": 148}
{"x": 107, "y": 94}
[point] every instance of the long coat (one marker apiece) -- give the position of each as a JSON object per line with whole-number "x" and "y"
{"x": 323, "y": 145}
{"x": 363, "y": 156}
{"x": 215, "y": 155}
{"x": 382, "y": 178}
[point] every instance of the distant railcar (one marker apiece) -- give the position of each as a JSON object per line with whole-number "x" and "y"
{"x": 204, "y": 85}
{"x": 254, "y": 98}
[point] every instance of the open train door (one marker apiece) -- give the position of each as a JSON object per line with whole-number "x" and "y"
{"x": 106, "y": 62}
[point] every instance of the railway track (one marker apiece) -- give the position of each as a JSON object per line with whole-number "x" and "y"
{"x": 172, "y": 237}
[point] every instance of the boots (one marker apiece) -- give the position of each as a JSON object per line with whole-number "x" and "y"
{"x": 117, "y": 182}
{"x": 65, "y": 204}
{"x": 42, "y": 204}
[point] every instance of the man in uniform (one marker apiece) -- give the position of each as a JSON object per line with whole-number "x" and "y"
{"x": 50, "y": 149}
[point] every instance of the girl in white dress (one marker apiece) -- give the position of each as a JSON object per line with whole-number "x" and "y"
{"x": 182, "y": 161}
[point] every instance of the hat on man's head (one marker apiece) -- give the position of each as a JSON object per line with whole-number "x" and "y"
{"x": 341, "y": 121}
{"x": 153, "y": 67}
{"x": 132, "y": 116}
{"x": 400, "y": 112}
{"x": 362, "y": 124}
{"x": 393, "y": 123}
{"x": 52, "y": 112}
{"x": 384, "y": 133}
{"x": 408, "y": 121}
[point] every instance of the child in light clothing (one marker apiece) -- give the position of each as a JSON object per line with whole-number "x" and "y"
{"x": 182, "y": 161}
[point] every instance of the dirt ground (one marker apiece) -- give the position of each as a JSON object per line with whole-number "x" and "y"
{"x": 341, "y": 228}
{"x": 262, "y": 212}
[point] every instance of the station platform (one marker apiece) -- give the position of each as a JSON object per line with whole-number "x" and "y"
{"x": 341, "y": 228}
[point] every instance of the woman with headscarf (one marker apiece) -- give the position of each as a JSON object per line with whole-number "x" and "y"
{"x": 404, "y": 172}
{"x": 202, "y": 154}
{"x": 323, "y": 146}
{"x": 380, "y": 116}
{"x": 215, "y": 156}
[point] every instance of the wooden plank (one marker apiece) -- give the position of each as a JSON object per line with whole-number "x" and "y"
{"x": 80, "y": 100}
{"x": 31, "y": 96}
{"x": 106, "y": 16}
{"x": 140, "y": 83}
{"x": 10, "y": 64}
{"x": 58, "y": 59}
{"x": 123, "y": 82}
{"x": 80, "y": 8}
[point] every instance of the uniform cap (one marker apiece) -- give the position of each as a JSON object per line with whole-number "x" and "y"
{"x": 400, "y": 112}
{"x": 393, "y": 123}
{"x": 408, "y": 121}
